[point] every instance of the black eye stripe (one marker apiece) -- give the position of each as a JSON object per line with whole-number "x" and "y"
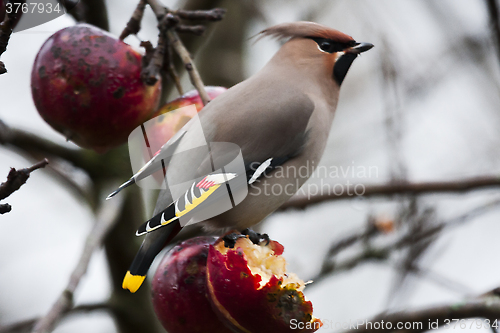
{"x": 331, "y": 46}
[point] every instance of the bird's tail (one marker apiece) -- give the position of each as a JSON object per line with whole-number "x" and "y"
{"x": 151, "y": 246}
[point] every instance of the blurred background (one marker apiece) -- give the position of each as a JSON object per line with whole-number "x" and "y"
{"x": 422, "y": 106}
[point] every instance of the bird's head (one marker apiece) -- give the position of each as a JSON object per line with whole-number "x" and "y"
{"x": 317, "y": 48}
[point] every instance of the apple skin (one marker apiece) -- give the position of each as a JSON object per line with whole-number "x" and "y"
{"x": 191, "y": 97}
{"x": 169, "y": 119}
{"x": 179, "y": 291}
{"x": 243, "y": 306}
{"x": 87, "y": 85}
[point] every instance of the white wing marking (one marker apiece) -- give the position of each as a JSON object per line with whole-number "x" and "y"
{"x": 260, "y": 170}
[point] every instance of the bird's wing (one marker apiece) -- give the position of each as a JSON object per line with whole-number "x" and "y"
{"x": 159, "y": 160}
{"x": 264, "y": 127}
{"x": 209, "y": 189}
{"x": 205, "y": 192}
{"x": 265, "y": 117}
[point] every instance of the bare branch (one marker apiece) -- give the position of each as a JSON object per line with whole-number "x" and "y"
{"x": 105, "y": 220}
{"x": 6, "y": 28}
{"x": 26, "y": 326}
{"x": 181, "y": 50}
{"x": 134, "y": 24}
{"x": 196, "y": 30}
{"x": 388, "y": 190}
{"x": 172, "y": 72}
{"x": 151, "y": 73}
{"x": 193, "y": 73}
{"x": 215, "y": 14}
{"x": 96, "y": 166}
{"x": 16, "y": 179}
{"x": 30, "y": 142}
{"x": 379, "y": 253}
{"x": 5, "y": 208}
{"x": 419, "y": 320}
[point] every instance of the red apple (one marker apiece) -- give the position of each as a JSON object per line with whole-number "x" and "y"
{"x": 251, "y": 290}
{"x": 191, "y": 97}
{"x": 179, "y": 291}
{"x": 87, "y": 85}
{"x": 169, "y": 119}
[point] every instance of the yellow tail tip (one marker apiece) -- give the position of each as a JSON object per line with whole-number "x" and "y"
{"x": 132, "y": 282}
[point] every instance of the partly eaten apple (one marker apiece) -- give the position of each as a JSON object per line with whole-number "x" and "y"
{"x": 252, "y": 291}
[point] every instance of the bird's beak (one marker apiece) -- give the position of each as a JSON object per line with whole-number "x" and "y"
{"x": 359, "y": 48}
{"x": 346, "y": 58}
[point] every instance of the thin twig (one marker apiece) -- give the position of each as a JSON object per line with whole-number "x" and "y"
{"x": 16, "y": 179}
{"x": 6, "y": 28}
{"x": 5, "y": 208}
{"x": 27, "y": 325}
{"x": 173, "y": 39}
{"x": 196, "y": 30}
{"x": 215, "y": 14}
{"x": 134, "y": 24}
{"x": 105, "y": 220}
{"x": 172, "y": 72}
{"x": 437, "y": 316}
{"x": 379, "y": 253}
{"x": 151, "y": 73}
{"x": 458, "y": 186}
{"x": 193, "y": 73}
{"x": 96, "y": 166}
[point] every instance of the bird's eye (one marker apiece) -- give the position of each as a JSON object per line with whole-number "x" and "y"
{"x": 325, "y": 46}
{"x": 328, "y": 45}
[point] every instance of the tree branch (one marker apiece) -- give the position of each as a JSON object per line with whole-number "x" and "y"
{"x": 96, "y": 166}
{"x": 458, "y": 186}
{"x": 30, "y": 142}
{"x": 134, "y": 24}
{"x": 136, "y": 313}
{"x": 329, "y": 266}
{"x": 105, "y": 220}
{"x": 6, "y": 28}
{"x": 16, "y": 179}
{"x": 26, "y": 326}
{"x": 215, "y": 14}
{"x": 181, "y": 50}
{"x": 419, "y": 320}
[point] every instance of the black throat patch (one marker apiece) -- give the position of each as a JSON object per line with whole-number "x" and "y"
{"x": 342, "y": 66}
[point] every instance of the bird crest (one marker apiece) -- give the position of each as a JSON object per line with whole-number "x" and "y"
{"x": 304, "y": 29}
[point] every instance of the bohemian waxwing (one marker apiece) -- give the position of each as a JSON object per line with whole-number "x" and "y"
{"x": 279, "y": 118}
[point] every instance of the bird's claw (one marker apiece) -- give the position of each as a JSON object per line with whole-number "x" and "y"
{"x": 255, "y": 237}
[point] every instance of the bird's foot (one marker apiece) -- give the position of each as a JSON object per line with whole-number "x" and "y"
{"x": 230, "y": 239}
{"x": 255, "y": 237}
